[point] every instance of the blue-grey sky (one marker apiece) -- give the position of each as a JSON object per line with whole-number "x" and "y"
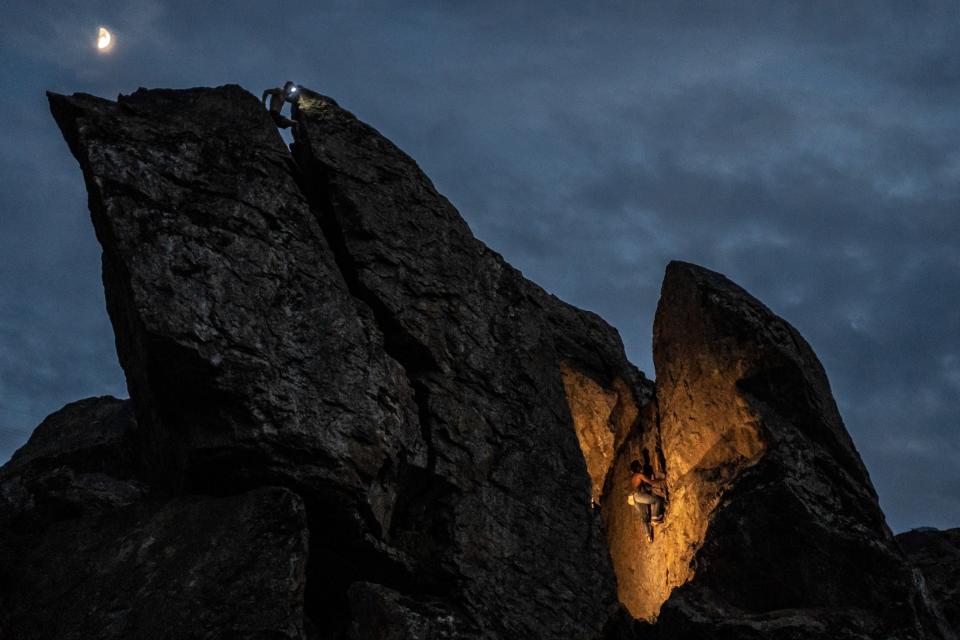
{"x": 809, "y": 150}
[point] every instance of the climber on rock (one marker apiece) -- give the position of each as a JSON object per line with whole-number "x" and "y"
{"x": 641, "y": 484}
{"x": 278, "y": 96}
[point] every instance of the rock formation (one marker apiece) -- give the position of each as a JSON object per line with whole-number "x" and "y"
{"x": 936, "y": 554}
{"x": 349, "y": 418}
{"x": 774, "y": 528}
{"x": 88, "y": 550}
{"x": 333, "y": 327}
{"x": 484, "y": 350}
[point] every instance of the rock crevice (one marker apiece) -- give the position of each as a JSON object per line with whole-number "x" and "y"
{"x": 772, "y": 512}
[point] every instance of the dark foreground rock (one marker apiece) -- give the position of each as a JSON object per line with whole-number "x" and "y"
{"x": 89, "y": 549}
{"x": 331, "y": 325}
{"x": 80, "y": 460}
{"x": 188, "y": 568}
{"x": 936, "y": 554}
{"x": 349, "y": 418}
{"x": 248, "y": 360}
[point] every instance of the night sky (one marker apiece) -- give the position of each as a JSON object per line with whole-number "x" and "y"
{"x": 810, "y": 152}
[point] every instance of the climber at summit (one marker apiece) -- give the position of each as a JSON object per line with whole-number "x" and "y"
{"x": 278, "y": 96}
{"x": 641, "y": 484}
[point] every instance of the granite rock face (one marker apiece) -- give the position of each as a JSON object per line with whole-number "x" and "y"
{"x": 226, "y": 568}
{"x": 235, "y": 329}
{"x": 248, "y": 360}
{"x": 351, "y": 419}
{"x": 774, "y": 529}
{"x": 327, "y": 322}
{"x": 936, "y": 554}
{"x": 486, "y": 352}
{"x": 80, "y": 460}
{"x": 90, "y": 549}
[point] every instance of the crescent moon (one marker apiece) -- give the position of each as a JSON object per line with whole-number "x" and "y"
{"x": 104, "y": 39}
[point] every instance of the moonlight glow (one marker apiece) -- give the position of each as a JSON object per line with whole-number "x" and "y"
{"x": 104, "y": 39}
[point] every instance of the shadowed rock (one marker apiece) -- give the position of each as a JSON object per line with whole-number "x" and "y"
{"x": 248, "y": 360}
{"x": 80, "y": 460}
{"x": 234, "y": 327}
{"x": 936, "y": 554}
{"x": 90, "y": 549}
{"x": 189, "y": 568}
{"x": 502, "y": 513}
{"x": 333, "y": 326}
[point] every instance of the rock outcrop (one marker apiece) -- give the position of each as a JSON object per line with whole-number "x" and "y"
{"x": 936, "y": 554}
{"x": 247, "y": 359}
{"x": 349, "y": 418}
{"x": 80, "y": 460}
{"x": 332, "y": 326}
{"x": 89, "y": 549}
{"x": 488, "y": 354}
{"x": 774, "y": 529}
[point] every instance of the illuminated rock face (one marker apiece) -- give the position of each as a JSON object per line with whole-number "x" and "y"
{"x": 773, "y": 525}
{"x": 638, "y": 562}
{"x": 772, "y": 528}
{"x": 708, "y": 434}
{"x": 603, "y": 418}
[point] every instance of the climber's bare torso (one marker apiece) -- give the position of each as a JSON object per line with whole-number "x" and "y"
{"x": 279, "y": 96}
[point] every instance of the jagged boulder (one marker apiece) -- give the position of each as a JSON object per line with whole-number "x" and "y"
{"x": 330, "y": 324}
{"x": 189, "y": 568}
{"x": 80, "y": 460}
{"x": 491, "y": 357}
{"x": 248, "y": 360}
{"x": 89, "y": 549}
{"x": 235, "y": 329}
{"x": 774, "y": 529}
{"x": 936, "y": 554}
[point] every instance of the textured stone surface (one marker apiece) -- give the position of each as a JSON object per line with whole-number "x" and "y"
{"x": 235, "y": 330}
{"x": 637, "y": 559}
{"x": 90, "y": 549}
{"x": 80, "y": 460}
{"x": 773, "y": 525}
{"x": 505, "y": 485}
{"x": 189, "y": 568}
{"x": 336, "y": 328}
{"x": 936, "y": 554}
{"x": 591, "y": 407}
{"x": 380, "y": 613}
{"x": 247, "y": 358}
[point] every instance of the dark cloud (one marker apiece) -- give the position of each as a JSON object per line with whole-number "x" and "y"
{"x": 808, "y": 150}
